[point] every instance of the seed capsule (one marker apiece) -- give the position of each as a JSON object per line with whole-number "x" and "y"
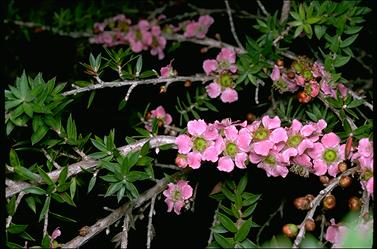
{"x": 303, "y": 97}
{"x": 342, "y": 166}
{"x": 309, "y": 225}
{"x": 329, "y": 202}
{"x": 301, "y": 203}
{"x": 354, "y": 203}
{"x": 324, "y": 180}
{"x": 345, "y": 181}
{"x": 290, "y": 230}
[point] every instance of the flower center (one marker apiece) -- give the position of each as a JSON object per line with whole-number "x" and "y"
{"x": 176, "y": 196}
{"x": 308, "y": 89}
{"x": 154, "y": 42}
{"x": 261, "y": 133}
{"x": 367, "y": 175}
{"x": 294, "y": 140}
{"x": 280, "y": 85}
{"x": 231, "y": 149}
{"x": 330, "y": 155}
{"x": 200, "y": 144}
{"x": 270, "y": 160}
{"x": 226, "y": 80}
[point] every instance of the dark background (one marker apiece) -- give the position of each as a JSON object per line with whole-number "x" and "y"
{"x": 60, "y": 56}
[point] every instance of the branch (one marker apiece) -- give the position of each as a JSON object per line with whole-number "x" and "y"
{"x": 56, "y": 165}
{"x": 317, "y": 201}
{"x": 355, "y": 96}
{"x": 124, "y": 235}
{"x": 285, "y": 10}
{"x": 233, "y": 30}
{"x": 281, "y": 36}
{"x": 364, "y": 212}
{"x": 18, "y": 200}
{"x": 267, "y": 223}
{"x": 214, "y": 222}
{"x": 150, "y": 225}
{"x": 103, "y": 223}
{"x": 103, "y": 84}
{"x": 261, "y": 6}
{"x": 73, "y": 169}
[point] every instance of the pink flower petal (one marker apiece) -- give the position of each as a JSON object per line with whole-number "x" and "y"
{"x": 255, "y": 158}
{"x": 333, "y": 169}
{"x": 240, "y": 160}
{"x": 275, "y": 74}
{"x": 229, "y": 95}
{"x": 196, "y": 127}
{"x": 287, "y": 154}
{"x": 209, "y": 66}
{"x": 231, "y": 133}
{"x": 184, "y": 144}
{"x": 263, "y": 147}
{"x": 178, "y": 205}
{"x": 330, "y": 140}
{"x": 296, "y": 126}
{"x": 213, "y": 90}
{"x": 307, "y": 130}
{"x": 271, "y": 123}
{"x": 320, "y": 167}
{"x": 278, "y": 135}
{"x": 225, "y": 164}
{"x": 304, "y": 145}
{"x": 211, "y": 154}
{"x": 194, "y": 159}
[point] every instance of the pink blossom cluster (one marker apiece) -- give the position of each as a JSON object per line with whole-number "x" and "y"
{"x": 312, "y": 77}
{"x": 276, "y": 149}
{"x": 364, "y": 156}
{"x": 337, "y": 233}
{"x": 142, "y": 36}
{"x": 198, "y": 29}
{"x": 177, "y": 195}
{"x": 223, "y": 67}
{"x": 163, "y": 118}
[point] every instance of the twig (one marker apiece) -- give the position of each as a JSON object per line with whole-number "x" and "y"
{"x": 167, "y": 166}
{"x": 364, "y": 207}
{"x": 267, "y": 223}
{"x": 81, "y": 153}
{"x": 124, "y": 235}
{"x": 214, "y": 222}
{"x": 56, "y": 165}
{"x": 18, "y": 200}
{"x": 285, "y": 10}
{"x": 256, "y": 94}
{"x": 129, "y": 91}
{"x": 154, "y": 81}
{"x": 194, "y": 197}
{"x": 103, "y": 223}
{"x": 45, "y": 223}
{"x": 323, "y": 222}
{"x": 356, "y": 96}
{"x": 281, "y": 36}
{"x": 14, "y": 187}
{"x": 150, "y": 233}
{"x": 232, "y": 28}
{"x": 317, "y": 201}
{"x": 349, "y": 120}
{"x": 261, "y": 6}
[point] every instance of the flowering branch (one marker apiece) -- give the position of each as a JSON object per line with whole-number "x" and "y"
{"x": 103, "y": 84}
{"x": 317, "y": 201}
{"x": 233, "y": 30}
{"x": 73, "y": 169}
{"x": 103, "y": 223}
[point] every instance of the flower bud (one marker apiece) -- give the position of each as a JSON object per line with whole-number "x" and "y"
{"x": 187, "y": 83}
{"x": 250, "y": 117}
{"x": 324, "y": 180}
{"x": 301, "y": 203}
{"x": 303, "y": 97}
{"x": 354, "y": 203}
{"x": 342, "y": 166}
{"x": 290, "y": 230}
{"x": 181, "y": 161}
{"x": 329, "y": 202}
{"x": 345, "y": 181}
{"x": 310, "y": 225}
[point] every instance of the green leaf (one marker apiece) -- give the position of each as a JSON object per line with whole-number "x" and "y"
{"x": 248, "y": 244}
{"x": 35, "y": 190}
{"x": 45, "y": 177}
{"x": 63, "y": 175}
{"x": 39, "y": 134}
{"x": 26, "y": 236}
{"x": 99, "y": 145}
{"x": 227, "y": 222}
{"x": 319, "y": 31}
{"x": 139, "y": 65}
{"x": 228, "y": 194}
{"x": 13, "y": 158}
{"x": 71, "y": 129}
{"x": 11, "y": 206}
{"x": 250, "y": 198}
{"x": 14, "y": 229}
{"x": 12, "y": 103}
{"x": 46, "y": 241}
{"x": 142, "y": 132}
{"x": 28, "y": 109}
{"x": 242, "y": 184}
{"x": 57, "y": 197}
{"x": 145, "y": 149}
{"x": 218, "y": 228}
{"x": 68, "y": 199}
{"x": 313, "y": 20}
{"x": 24, "y": 172}
{"x": 341, "y": 60}
{"x": 91, "y": 97}
{"x": 72, "y": 187}
{"x": 308, "y": 30}
{"x": 120, "y": 193}
{"x": 63, "y": 218}
{"x": 352, "y": 30}
{"x": 222, "y": 241}
{"x": 301, "y": 11}
{"x": 137, "y": 176}
{"x": 113, "y": 188}
{"x": 347, "y": 42}
{"x": 298, "y": 31}
{"x": 23, "y": 85}
{"x": 243, "y": 231}
{"x": 122, "y": 104}
{"x": 45, "y": 208}
{"x": 92, "y": 182}
{"x": 31, "y": 203}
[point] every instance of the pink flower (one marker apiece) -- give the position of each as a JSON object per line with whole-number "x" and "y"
{"x": 167, "y": 71}
{"x": 318, "y": 70}
{"x": 312, "y": 88}
{"x": 162, "y": 117}
{"x": 209, "y": 66}
{"x": 199, "y": 29}
{"x": 272, "y": 163}
{"x": 158, "y": 42}
{"x": 56, "y": 233}
{"x": 275, "y": 75}
{"x": 226, "y": 60}
{"x": 184, "y": 143}
{"x": 176, "y": 195}
{"x": 364, "y": 156}
{"x": 342, "y": 89}
{"x": 335, "y": 233}
{"x": 327, "y": 154}
{"x": 223, "y": 85}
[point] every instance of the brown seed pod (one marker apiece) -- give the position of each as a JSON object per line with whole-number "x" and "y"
{"x": 188, "y": 83}
{"x": 324, "y": 180}
{"x": 342, "y": 166}
{"x": 354, "y": 203}
{"x": 329, "y": 202}
{"x": 301, "y": 203}
{"x": 291, "y": 75}
{"x": 163, "y": 89}
{"x": 290, "y": 230}
{"x": 345, "y": 181}
{"x": 279, "y": 62}
{"x": 310, "y": 225}
{"x": 309, "y": 197}
{"x": 250, "y": 117}
{"x": 303, "y": 97}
